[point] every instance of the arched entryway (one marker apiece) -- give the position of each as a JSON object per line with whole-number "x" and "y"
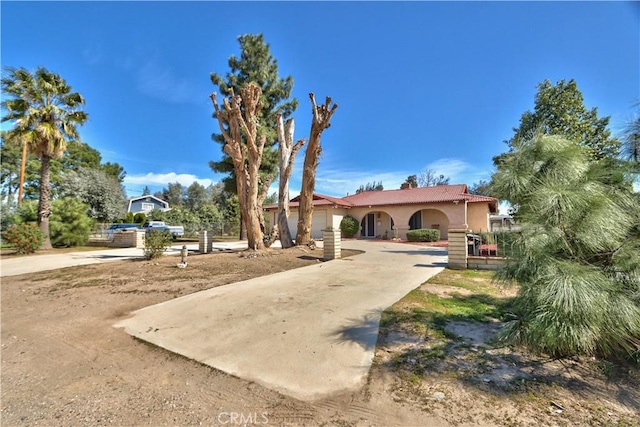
{"x": 430, "y": 218}
{"x": 377, "y": 224}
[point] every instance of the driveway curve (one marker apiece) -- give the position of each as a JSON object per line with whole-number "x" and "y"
{"x": 307, "y": 333}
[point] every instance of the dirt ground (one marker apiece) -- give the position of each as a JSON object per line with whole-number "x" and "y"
{"x": 63, "y": 364}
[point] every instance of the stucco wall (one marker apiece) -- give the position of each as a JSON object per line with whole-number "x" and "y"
{"x": 442, "y": 214}
{"x": 478, "y": 216}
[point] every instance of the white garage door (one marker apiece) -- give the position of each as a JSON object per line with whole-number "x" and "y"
{"x": 318, "y": 223}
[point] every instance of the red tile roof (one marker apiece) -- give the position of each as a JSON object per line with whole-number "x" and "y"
{"x": 409, "y": 196}
{"x": 321, "y": 199}
{"x": 318, "y": 200}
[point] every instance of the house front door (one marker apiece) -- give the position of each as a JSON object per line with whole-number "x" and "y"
{"x": 368, "y": 226}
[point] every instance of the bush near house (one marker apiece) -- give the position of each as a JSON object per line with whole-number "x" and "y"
{"x": 349, "y": 226}
{"x": 423, "y": 235}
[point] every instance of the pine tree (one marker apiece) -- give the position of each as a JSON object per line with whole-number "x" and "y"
{"x": 577, "y": 259}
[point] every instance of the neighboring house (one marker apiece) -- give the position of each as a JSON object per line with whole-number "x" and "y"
{"x": 503, "y": 223}
{"x": 381, "y": 212}
{"x": 146, "y": 204}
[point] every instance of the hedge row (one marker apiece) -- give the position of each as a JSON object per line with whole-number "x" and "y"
{"x": 423, "y": 235}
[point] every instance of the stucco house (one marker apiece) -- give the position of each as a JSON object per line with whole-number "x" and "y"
{"x": 380, "y": 212}
{"x": 146, "y": 204}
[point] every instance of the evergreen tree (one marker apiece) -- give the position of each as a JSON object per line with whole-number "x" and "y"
{"x": 412, "y": 180}
{"x": 370, "y": 186}
{"x": 559, "y": 110}
{"x": 175, "y": 194}
{"x": 70, "y": 225}
{"x": 577, "y": 259}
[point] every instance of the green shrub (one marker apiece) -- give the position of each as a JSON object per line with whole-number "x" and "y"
{"x": 25, "y": 238}
{"x": 139, "y": 218}
{"x": 423, "y": 235}
{"x": 156, "y": 242}
{"x": 349, "y": 226}
{"x": 27, "y": 212}
{"x": 69, "y": 224}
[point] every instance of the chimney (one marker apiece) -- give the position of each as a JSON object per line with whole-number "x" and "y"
{"x": 405, "y": 185}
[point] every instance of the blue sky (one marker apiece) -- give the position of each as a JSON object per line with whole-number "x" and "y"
{"x": 420, "y": 85}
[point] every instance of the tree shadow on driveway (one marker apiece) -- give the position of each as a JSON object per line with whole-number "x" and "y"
{"x": 362, "y": 331}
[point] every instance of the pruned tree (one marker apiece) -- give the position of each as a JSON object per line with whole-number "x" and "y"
{"x": 319, "y": 122}
{"x": 428, "y": 178}
{"x": 256, "y": 64}
{"x": 287, "y": 151}
{"x": 238, "y": 121}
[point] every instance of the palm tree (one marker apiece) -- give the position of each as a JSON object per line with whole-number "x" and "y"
{"x": 45, "y": 112}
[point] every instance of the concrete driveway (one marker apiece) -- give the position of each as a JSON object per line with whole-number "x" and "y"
{"x": 308, "y": 333}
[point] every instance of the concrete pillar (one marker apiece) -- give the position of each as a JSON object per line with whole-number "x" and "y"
{"x": 458, "y": 247}
{"x": 332, "y": 244}
{"x": 402, "y": 231}
{"x": 205, "y": 243}
{"x": 139, "y": 239}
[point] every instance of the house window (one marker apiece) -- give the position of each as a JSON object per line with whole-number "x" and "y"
{"x": 148, "y": 206}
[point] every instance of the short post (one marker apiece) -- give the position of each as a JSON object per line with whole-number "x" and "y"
{"x": 183, "y": 254}
{"x": 203, "y": 242}
{"x": 332, "y": 244}
{"x": 458, "y": 247}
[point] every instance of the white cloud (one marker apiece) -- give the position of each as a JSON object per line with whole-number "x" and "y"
{"x": 459, "y": 171}
{"x": 334, "y": 182}
{"x": 452, "y": 168}
{"x": 161, "y": 82}
{"x": 163, "y": 179}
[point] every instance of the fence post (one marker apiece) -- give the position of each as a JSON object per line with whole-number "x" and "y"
{"x": 458, "y": 247}
{"x": 331, "y": 244}
{"x": 204, "y": 243}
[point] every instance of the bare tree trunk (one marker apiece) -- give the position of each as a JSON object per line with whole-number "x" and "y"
{"x": 320, "y": 121}
{"x": 23, "y": 164}
{"x": 261, "y": 198}
{"x": 287, "y": 151}
{"x": 243, "y": 228}
{"x": 246, "y": 156}
{"x": 44, "y": 204}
